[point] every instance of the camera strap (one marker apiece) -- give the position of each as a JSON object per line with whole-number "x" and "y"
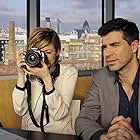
{"x": 44, "y": 106}
{"x": 44, "y": 110}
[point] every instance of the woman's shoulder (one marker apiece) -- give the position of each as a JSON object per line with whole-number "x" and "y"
{"x": 68, "y": 69}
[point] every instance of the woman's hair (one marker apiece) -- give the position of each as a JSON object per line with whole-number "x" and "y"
{"x": 42, "y": 37}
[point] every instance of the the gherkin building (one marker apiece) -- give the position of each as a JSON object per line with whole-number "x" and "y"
{"x": 86, "y": 28}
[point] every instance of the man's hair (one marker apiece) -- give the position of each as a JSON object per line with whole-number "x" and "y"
{"x": 129, "y": 29}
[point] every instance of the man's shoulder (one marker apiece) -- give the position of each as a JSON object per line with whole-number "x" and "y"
{"x": 103, "y": 70}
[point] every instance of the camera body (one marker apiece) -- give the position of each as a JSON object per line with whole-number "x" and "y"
{"x": 34, "y": 56}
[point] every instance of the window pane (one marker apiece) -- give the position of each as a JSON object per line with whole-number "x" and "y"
{"x": 12, "y": 33}
{"x": 129, "y": 9}
{"x": 76, "y": 22}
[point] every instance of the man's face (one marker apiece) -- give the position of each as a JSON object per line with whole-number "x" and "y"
{"x": 117, "y": 52}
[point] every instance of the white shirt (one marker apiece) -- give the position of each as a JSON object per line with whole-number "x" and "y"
{"x": 59, "y": 103}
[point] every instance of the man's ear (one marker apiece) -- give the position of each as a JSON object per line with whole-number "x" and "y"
{"x": 135, "y": 45}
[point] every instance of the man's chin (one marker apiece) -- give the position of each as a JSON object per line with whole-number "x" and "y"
{"x": 113, "y": 68}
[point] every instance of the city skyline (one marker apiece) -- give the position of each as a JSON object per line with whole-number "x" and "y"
{"x": 72, "y": 13}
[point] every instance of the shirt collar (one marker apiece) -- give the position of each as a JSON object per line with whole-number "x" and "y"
{"x": 136, "y": 77}
{"x": 116, "y": 78}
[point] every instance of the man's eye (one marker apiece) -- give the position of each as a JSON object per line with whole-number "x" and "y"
{"x": 116, "y": 45}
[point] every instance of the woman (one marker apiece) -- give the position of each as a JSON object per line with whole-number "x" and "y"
{"x": 43, "y": 94}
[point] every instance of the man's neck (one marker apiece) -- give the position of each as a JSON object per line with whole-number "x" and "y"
{"x": 128, "y": 73}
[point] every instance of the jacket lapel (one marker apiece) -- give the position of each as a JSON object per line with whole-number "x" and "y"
{"x": 111, "y": 100}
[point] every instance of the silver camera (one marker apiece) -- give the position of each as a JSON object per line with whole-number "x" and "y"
{"x": 34, "y": 57}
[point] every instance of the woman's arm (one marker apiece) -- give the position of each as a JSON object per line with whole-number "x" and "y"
{"x": 19, "y": 94}
{"x": 60, "y": 100}
{"x": 20, "y": 101}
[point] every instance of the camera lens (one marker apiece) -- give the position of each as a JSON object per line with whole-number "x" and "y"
{"x": 32, "y": 58}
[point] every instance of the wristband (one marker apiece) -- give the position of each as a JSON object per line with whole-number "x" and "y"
{"x": 20, "y": 88}
{"x": 51, "y": 91}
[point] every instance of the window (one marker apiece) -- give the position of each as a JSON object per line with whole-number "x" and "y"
{"x": 12, "y": 33}
{"x": 129, "y": 10}
{"x": 76, "y": 22}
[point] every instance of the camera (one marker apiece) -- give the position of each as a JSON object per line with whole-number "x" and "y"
{"x": 34, "y": 56}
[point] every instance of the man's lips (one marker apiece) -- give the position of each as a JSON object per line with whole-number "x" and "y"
{"x": 111, "y": 61}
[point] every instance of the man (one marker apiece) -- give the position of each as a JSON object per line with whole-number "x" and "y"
{"x": 112, "y": 108}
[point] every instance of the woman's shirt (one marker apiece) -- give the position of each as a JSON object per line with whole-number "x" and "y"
{"x": 59, "y": 103}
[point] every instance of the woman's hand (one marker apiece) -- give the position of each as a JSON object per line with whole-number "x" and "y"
{"x": 42, "y": 72}
{"x": 21, "y": 61}
{"x": 20, "y": 68}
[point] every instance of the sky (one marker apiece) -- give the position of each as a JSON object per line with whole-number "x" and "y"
{"x": 72, "y": 13}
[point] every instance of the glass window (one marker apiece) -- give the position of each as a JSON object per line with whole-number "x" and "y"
{"x": 12, "y": 34}
{"x": 76, "y": 22}
{"x": 129, "y": 10}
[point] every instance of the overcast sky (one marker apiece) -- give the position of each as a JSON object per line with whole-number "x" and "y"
{"x": 72, "y": 13}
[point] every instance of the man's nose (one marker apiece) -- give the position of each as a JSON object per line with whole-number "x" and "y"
{"x": 108, "y": 52}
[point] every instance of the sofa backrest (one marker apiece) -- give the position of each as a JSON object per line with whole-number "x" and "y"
{"x": 8, "y": 117}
